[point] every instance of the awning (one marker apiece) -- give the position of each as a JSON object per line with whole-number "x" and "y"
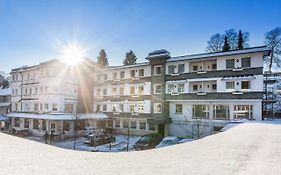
{"x": 59, "y": 116}
{"x": 3, "y": 118}
{"x": 240, "y": 77}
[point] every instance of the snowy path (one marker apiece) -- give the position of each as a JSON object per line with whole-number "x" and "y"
{"x": 250, "y": 148}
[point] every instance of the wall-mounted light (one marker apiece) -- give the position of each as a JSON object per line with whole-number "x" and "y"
{"x": 237, "y": 83}
{"x": 237, "y": 60}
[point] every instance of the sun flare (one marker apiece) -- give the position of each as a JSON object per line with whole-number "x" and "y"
{"x": 72, "y": 54}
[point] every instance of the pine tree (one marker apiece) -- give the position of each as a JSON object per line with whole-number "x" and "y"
{"x": 102, "y": 59}
{"x": 226, "y": 46}
{"x": 130, "y": 58}
{"x": 240, "y": 41}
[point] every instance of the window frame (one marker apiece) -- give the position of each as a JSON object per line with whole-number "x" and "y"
{"x": 155, "y": 70}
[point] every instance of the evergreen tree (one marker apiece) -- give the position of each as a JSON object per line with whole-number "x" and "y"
{"x": 102, "y": 59}
{"x": 226, "y": 46}
{"x": 130, "y": 58}
{"x": 240, "y": 41}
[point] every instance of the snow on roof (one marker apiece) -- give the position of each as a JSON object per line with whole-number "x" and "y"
{"x": 4, "y": 104}
{"x": 58, "y": 116}
{"x": 218, "y": 54}
{"x": 252, "y": 149}
{"x": 5, "y": 92}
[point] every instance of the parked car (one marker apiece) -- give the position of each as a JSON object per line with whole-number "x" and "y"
{"x": 96, "y": 140}
{"x": 168, "y": 141}
{"x": 148, "y": 142}
{"x": 185, "y": 140}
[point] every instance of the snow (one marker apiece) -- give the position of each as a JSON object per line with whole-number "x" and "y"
{"x": 248, "y": 148}
{"x": 5, "y": 92}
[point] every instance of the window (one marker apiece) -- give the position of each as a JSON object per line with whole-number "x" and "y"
{"x": 140, "y": 108}
{"x": 181, "y": 68}
{"x": 105, "y": 77}
{"x": 125, "y": 124}
{"x": 36, "y": 107}
{"x": 246, "y": 62}
{"x": 121, "y": 107}
{"x": 132, "y": 90}
{"x": 98, "y": 109}
{"x": 230, "y": 64}
{"x": 133, "y": 73}
{"x": 69, "y": 108}
{"x": 122, "y": 74}
{"x": 55, "y": 107}
{"x": 141, "y": 72}
{"x": 121, "y": 89}
{"x": 180, "y": 88}
{"x": 117, "y": 123}
{"x": 36, "y": 90}
{"x": 133, "y": 124}
{"x": 157, "y": 89}
{"x": 66, "y": 125}
{"x": 178, "y": 108}
{"x": 141, "y": 89}
{"x": 200, "y": 111}
{"x": 98, "y": 92}
{"x": 114, "y": 75}
{"x": 195, "y": 68}
{"x": 157, "y": 70}
{"x": 194, "y": 87}
{"x": 229, "y": 85}
{"x": 46, "y": 107}
{"x": 104, "y": 92}
{"x": 109, "y": 123}
{"x": 214, "y": 66}
{"x": 151, "y": 127}
{"x": 26, "y": 123}
{"x": 245, "y": 85}
{"x": 171, "y": 69}
{"x": 53, "y": 126}
{"x": 142, "y": 125}
{"x": 114, "y": 91}
{"x": 243, "y": 111}
{"x": 157, "y": 108}
{"x": 221, "y": 112}
{"x": 214, "y": 86}
{"x": 17, "y": 122}
{"x": 44, "y": 125}
{"x": 104, "y": 108}
{"x": 170, "y": 88}
{"x": 132, "y": 108}
{"x": 35, "y": 124}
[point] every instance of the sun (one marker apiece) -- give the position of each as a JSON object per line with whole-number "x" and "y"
{"x": 72, "y": 54}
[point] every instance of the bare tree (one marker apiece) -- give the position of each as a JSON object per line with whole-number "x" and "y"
{"x": 200, "y": 126}
{"x": 215, "y": 43}
{"x": 273, "y": 41}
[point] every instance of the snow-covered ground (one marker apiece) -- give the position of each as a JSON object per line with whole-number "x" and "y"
{"x": 120, "y": 144}
{"x": 248, "y": 148}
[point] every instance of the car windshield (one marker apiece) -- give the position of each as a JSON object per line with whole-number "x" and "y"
{"x": 146, "y": 138}
{"x": 167, "y": 142}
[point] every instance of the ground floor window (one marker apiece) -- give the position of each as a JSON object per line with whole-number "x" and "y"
{"x": 243, "y": 111}
{"x": 66, "y": 125}
{"x": 79, "y": 125}
{"x": 68, "y": 108}
{"x": 26, "y": 123}
{"x": 125, "y": 124}
{"x": 109, "y": 123}
{"x": 35, "y": 124}
{"x": 220, "y": 111}
{"x": 117, "y": 123}
{"x": 200, "y": 111}
{"x": 53, "y": 126}
{"x": 178, "y": 108}
{"x": 17, "y": 122}
{"x": 44, "y": 125}
{"x": 142, "y": 125}
{"x": 133, "y": 124}
{"x": 151, "y": 127}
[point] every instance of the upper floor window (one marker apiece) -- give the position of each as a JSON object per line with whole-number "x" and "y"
{"x": 122, "y": 74}
{"x": 178, "y": 108}
{"x": 157, "y": 89}
{"x": 114, "y": 75}
{"x": 98, "y": 92}
{"x": 229, "y": 64}
{"x": 141, "y": 72}
{"x": 157, "y": 108}
{"x": 121, "y": 91}
{"x": 214, "y": 86}
{"x": 158, "y": 70}
{"x": 181, "y": 88}
{"x": 114, "y": 91}
{"x": 104, "y": 107}
{"x": 170, "y": 88}
{"x": 214, "y": 66}
{"x": 245, "y": 85}
{"x": 141, "y": 90}
{"x": 181, "y": 68}
{"x": 229, "y": 85}
{"x": 246, "y": 62}
{"x": 171, "y": 69}
{"x": 104, "y": 91}
{"x": 105, "y": 77}
{"x": 195, "y": 87}
{"x": 132, "y": 90}
{"x": 133, "y": 73}
{"x": 194, "y": 68}
{"x": 141, "y": 108}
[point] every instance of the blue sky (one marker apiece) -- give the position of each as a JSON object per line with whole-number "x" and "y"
{"x": 30, "y": 31}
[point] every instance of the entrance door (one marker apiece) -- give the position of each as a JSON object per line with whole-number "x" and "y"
{"x": 161, "y": 129}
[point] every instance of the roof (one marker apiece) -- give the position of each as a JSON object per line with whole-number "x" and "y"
{"x": 219, "y": 54}
{"x": 58, "y": 116}
{"x": 127, "y": 66}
